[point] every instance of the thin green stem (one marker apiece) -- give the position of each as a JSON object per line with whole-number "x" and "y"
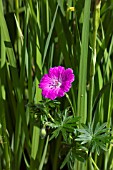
{"x": 40, "y": 150}
{"x": 94, "y": 163}
{"x": 44, "y": 154}
{"x": 93, "y": 59}
{"x": 4, "y": 131}
{"x": 67, "y": 96}
{"x": 107, "y": 154}
{"x": 5, "y": 141}
{"x": 96, "y": 157}
{"x": 50, "y": 117}
{"x": 19, "y": 33}
{"x": 56, "y": 154}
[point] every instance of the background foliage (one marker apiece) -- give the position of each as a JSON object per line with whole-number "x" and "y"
{"x": 34, "y": 36}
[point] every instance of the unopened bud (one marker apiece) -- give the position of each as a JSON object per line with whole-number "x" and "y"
{"x": 43, "y": 133}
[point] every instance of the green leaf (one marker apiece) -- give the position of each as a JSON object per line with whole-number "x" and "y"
{"x": 49, "y": 36}
{"x": 65, "y": 160}
{"x": 35, "y": 142}
{"x": 55, "y": 133}
{"x": 83, "y": 64}
{"x": 96, "y": 139}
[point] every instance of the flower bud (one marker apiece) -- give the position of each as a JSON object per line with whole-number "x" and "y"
{"x": 43, "y": 133}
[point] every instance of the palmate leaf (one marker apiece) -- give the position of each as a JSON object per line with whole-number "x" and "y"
{"x": 71, "y": 119}
{"x": 66, "y": 159}
{"x": 100, "y": 129}
{"x": 42, "y": 111}
{"x": 48, "y": 114}
{"x": 64, "y": 127}
{"x": 79, "y": 152}
{"x": 95, "y": 138}
{"x": 55, "y": 133}
{"x": 63, "y": 131}
{"x": 65, "y": 124}
{"x": 84, "y": 139}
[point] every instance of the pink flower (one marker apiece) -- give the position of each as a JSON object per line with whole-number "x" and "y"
{"x": 57, "y": 82}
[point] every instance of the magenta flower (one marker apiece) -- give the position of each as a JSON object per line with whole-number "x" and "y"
{"x": 57, "y": 82}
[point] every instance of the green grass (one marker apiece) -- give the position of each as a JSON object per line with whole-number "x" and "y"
{"x": 34, "y": 36}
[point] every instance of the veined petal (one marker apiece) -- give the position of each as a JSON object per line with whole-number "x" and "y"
{"x": 66, "y": 86}
{"x": 53, "y": 93}
{"x": 57, "y": 82}
{"x": 68, "y": 75}
{"x": 55, "y": 72}
{"x": 50, "y": 93}
{"x": 45, "y": 81}
{"x": 61, "y": 92}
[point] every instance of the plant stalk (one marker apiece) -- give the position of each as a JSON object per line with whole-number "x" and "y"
{"x": 81, "y": 109}
{"x": 5, "y": 140}
{"x": 4, "y": 130}
{"x": 56, "y": 153}
{"x": 93, "y": 59}
{"x": 67, "y": 96}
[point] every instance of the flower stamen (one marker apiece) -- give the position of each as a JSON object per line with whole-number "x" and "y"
{"x": 55, "y": 84}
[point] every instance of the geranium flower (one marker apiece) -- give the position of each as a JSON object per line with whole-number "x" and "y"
{"x": 57, "y": 82}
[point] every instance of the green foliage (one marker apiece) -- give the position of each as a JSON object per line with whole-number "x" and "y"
{"x": 64, "y": 124}
{"x": 95, "y": 139}
{"x": 78, "y": 152}
{"x": 34, "y": 36}
{"x": 76, "y": 143}
{"x": 49, "y": 115}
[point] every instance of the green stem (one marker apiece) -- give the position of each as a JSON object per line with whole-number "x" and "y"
{"x": 5, "y": 137}
{"x": 96, "y": 158}
{"x": 90, "y": 98}
{"x": 44, "y": 154}
{"x": 40, "y": 150}
{"x": 81, "y": 109}
{"x": 48, "y": 114}
{"x": 56, "y": 154}
{"x": 94, "y": 163}
{"x": 93, "y": 59}
{"x": 3, "y": 99}
{"x": 67, "y": 96}
{"x": 107, "y": 154}
{"x": 17, "y": 19}
{"x": 35, "y": 146}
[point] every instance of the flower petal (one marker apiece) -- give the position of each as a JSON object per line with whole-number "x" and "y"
{"x": 50, "y": 93}
{"x": 68, "y": 75}
{"x": 66, "y": 86}
{"x": 61, "y": 93}
{"x": 56, "y": 72}
{"x": 53, "y": 93}
{"x": 45, "y": 81}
